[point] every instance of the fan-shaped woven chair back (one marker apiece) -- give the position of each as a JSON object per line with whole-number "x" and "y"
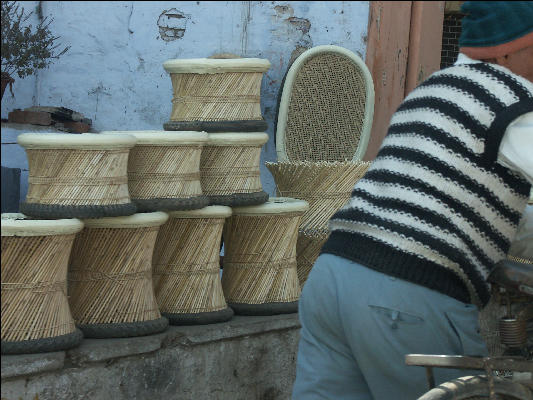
{"x": 326, "y": 107}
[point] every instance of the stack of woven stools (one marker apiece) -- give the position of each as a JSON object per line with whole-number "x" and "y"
{"x": 324, "y": 120}
{"x": 221, "y": 96}
{"x": 121, "y": 231}
{"x": 78, "y": 259}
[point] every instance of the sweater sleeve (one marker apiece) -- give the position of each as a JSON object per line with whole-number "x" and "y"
{"x": 516, "y": 148}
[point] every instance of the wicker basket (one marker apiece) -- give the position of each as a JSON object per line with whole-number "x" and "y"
{"x": 186, "y": 267}
{"x": 164, "y": 170}
{"x": 216, "y": 95}
{"x": 326, "y": 186}
{"x": 110, "y": 277}
{"x": 35, "y": 311}
{"x": 308, "y": 249}
{"x": 260, "y": 276}
{"x": 79, "y": 176}
{"x": 229, "y": 169}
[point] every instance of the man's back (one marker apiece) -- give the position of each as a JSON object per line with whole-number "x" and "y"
{"x": 435, "y": 208}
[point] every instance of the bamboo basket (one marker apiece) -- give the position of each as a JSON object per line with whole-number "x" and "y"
{"x": 216, "y": 95}
{"x": 164, "y": 170}
{"x": 308, "y": 249}
{"x": 325, "y": 185}
{"x": 35, "y": 311}
{"x": 110, "y": 277}
{"x": 260, "y": 276}
{"x": 229, "y": 169}
{"x": 77, "y": 175}
{"x": 186, "y": 267}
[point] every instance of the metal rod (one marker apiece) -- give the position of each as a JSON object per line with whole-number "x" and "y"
{"x": 430, "y": 377}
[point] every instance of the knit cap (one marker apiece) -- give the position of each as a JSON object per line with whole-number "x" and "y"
{"x": 495, "y": 28}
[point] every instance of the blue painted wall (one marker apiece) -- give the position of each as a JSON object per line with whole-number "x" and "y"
{"x": 113, "y": 72}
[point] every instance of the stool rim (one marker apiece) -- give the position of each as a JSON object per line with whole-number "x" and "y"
{"x": 88, "y": 141}
{"x": 274, "y": 205}
{"x": 18, "y": 224}
{"x": 206, "y": 212}
{"x": 215, "y": 66}
{"x": 162, "y": 138}
{"x": 240, "y": 138}
{"x": 139, "y": 220}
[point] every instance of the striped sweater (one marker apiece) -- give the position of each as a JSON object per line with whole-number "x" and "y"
{"x": 435, "y": 208}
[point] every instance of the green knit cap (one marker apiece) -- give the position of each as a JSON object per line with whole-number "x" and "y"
{"x": 493, "y": 23}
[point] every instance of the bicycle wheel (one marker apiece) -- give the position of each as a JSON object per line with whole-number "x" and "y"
{"x": 477, "y": 388}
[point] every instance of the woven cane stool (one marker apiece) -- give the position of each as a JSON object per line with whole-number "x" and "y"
{"x": 323, "y": 128}
{"x": 110, "y": 277}
{"x": 260, "y": 276}
{"x": 229, "y": 169}
{"x": 326, "y": 186}
{"x": 164, "y": 170}
{"x": 308, "y": 248}
{"x": 77, "y": 175}
{"x": 216, "y": 95}
{"x": 186, "y": 267}
{"x": 35, "y": 310}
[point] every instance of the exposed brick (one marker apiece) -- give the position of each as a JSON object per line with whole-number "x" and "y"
{"x": 30, "y": 117}
{"x": 76, "y": 127}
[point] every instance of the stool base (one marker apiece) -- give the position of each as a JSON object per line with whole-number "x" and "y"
{"x": 204, "y": 318}
{"x": 56, "y": 343}
{"x": 162, "y": 204}
{"x": 52, "y": 211}
{"x": 239, "y": 199}
{"x": 265, "y": 308}
{"x": 248, "y": 125}
{"x": 124, "y": 329}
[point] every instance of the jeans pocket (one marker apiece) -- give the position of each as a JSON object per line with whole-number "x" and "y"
{"x": 395, "y": 317}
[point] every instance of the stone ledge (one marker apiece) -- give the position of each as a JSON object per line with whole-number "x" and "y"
{"x": 108, "y": 350}
{"x": 29, "y": 364}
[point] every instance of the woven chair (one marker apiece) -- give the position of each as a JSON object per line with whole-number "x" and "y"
{"x": 326, "y": 107}
{"x": 324, "y": 119}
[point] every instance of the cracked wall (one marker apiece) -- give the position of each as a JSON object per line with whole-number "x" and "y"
{"x": 113, "y": 71}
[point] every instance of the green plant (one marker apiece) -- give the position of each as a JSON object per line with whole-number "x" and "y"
{"x": 24, "y": 49}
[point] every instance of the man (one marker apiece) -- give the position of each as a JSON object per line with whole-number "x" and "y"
{"x": 404, "y": 268}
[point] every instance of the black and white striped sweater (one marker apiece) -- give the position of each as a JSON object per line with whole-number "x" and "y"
{"x": 435, "y": 208}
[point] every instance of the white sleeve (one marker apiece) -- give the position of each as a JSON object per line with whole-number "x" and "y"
{"x": 516, "y": 148}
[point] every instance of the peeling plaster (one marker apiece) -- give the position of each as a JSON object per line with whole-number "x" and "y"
{"x": 172, "y": 24}
{"x": 301, "y": 24}
{"x": 284, "y": 9}
{"x": 296, "y": 53}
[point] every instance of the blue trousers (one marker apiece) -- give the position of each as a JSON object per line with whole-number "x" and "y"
{"x": 358, "y": 325}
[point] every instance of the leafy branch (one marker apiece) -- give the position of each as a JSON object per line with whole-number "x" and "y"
{"x": 24, "y": 49}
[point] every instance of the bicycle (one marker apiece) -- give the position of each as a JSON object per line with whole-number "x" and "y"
{"x": 512, "y": 283}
